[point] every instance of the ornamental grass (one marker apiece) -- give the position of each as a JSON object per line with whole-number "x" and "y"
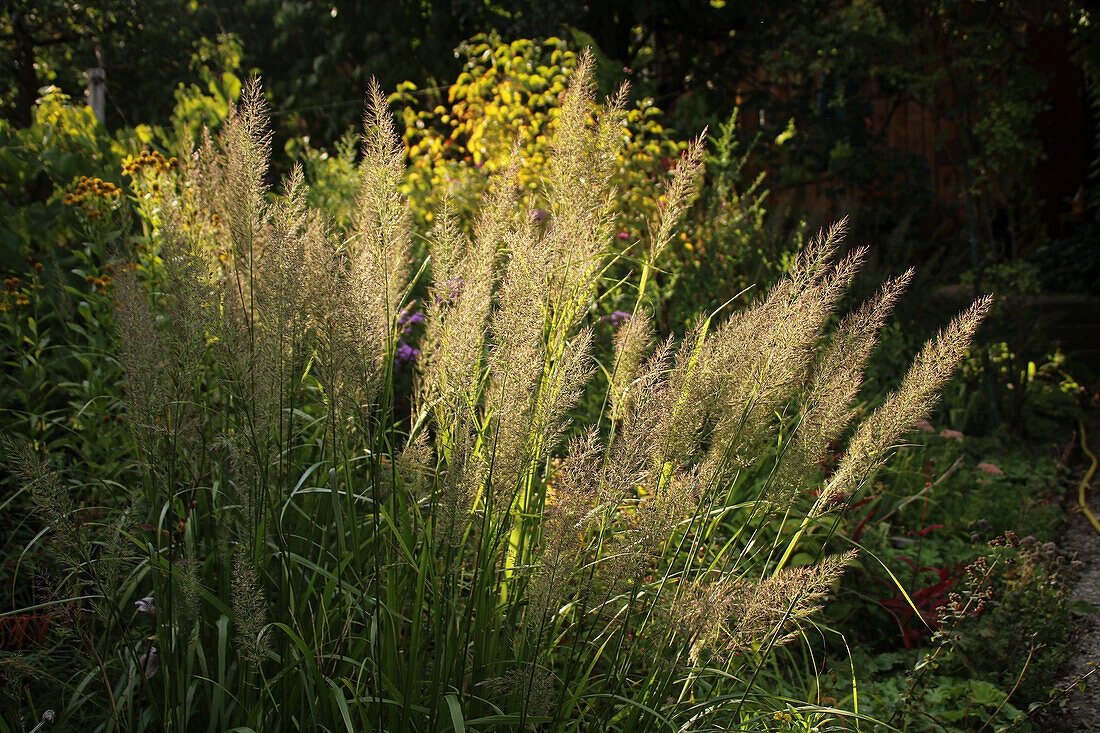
{"x": 310, "y": 544}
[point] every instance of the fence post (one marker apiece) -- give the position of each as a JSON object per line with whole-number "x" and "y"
{"x": 97, "y": 92}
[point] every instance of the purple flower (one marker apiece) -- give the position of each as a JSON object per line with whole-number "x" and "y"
{"x": 150, "y": 662}
{"x": 539, "y": 214}
{"x": 623, "y": 235}
{"x": 617, "y": 318}
{"x": 146, "y": 605}
{"x": 405, "y": 354}
{"x": 407, "y": 319}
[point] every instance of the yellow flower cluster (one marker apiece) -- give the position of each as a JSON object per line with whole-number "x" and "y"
{"x": 91, "y": 188}
{"x": 150, "y": 160}
{"x": 14, "y": 293}
{"x": 94, "y": 195}
{"x": 102, "y": 282}
{"x": 509, "y": 93}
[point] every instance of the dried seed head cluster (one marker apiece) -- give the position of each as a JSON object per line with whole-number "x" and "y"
{"x": 680, "y": 194}
{"x": 834, "y": 383}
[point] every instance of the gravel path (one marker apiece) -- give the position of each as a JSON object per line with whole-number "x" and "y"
{"x": 1079, "y": 710}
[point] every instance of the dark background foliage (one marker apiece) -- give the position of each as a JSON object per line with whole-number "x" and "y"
{"x": 999, "y": 90}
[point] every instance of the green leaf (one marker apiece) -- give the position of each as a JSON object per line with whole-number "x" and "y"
{"x": 457, "y": 722}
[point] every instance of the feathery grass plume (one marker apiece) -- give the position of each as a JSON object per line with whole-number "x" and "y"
{"x": 368, "y": 278}
{"x": 177, "y": 347}
{"x": 641, "y": 529}
{"x": 733, "y": 615}
{"x": 245, "y": 343}
{"x": 459, "y": 304}
{"x": 453, "y": 369}
{"x": 517, "y": 359}
{"x": 84, "y": 559}
{"x": 249, "y": 608}
{"x": 233, "y": 172}
{"x": 415, "y": 466}
{"x": 537, "y": 361}
{"x": 448, "y": 245}
{"x": 637, "y": 537}
{"x": 460, "y": 486}
{"x": 826, "y": 408}
{"x": 382, "y": 232}
{"x": 757, "y": 361}
{"x": 499, "y": 214}
{"x": 632, "y": 342}
{"x": 539, "y": 691}
{"x": 566, "y": 514}
{"x": 17, "y": 669}
{"x": 286, "y": 274}
{"x": 680, "y": 193}
{"x": 912, "y": 401}
{"x": 265, "y": 307}
{"x": 114, "y": 555}
{"x": 672, "y": 500}
{"x": 631, "y": 454}
{"x": 531, "y": 685}
{"x": 678, "y": 401}
{"x": 562, "y": 388}
{"x": 580, "y": 200}
{"x": 246, "y": 145}
{"x": 68, "y": 540}
{"x": 290, "y": 285}
{"x": 189, "y": 290}
{"x": 186, "y": 580}
{"x": 248, "y": 475}
{"x": 143, "y": 358}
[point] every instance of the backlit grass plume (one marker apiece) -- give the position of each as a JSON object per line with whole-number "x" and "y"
{"x": 494, "y": 547}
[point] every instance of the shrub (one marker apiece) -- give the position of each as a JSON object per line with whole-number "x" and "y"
{"x": 510, "y": 94}
{"x": 300, "y": 553}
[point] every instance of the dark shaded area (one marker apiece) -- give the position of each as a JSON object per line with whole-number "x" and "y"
{"x": 900, "y": 107}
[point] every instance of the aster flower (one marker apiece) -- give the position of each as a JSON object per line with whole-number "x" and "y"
{"x": 617, "y": 318}
{"x": 405, "y": 354}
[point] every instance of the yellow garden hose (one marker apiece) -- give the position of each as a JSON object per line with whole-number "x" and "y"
{"x": 1088, "y": 477}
